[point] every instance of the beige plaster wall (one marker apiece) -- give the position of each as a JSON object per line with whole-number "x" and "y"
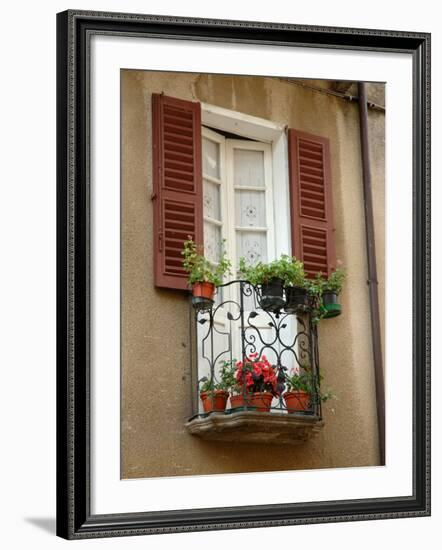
{"x": 156, "y": 385}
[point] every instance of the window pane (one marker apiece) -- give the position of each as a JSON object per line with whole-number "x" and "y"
{"x": 211, "y": 200}
{"x": 248, "y": 168}
{"x": 250, "y": 208}
{"x": 212, "y": 241}
{"x": 252, "y": 245}
{"x": 210, "y": 158}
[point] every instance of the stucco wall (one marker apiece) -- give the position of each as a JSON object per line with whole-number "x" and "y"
{"x": 156, "y": 385}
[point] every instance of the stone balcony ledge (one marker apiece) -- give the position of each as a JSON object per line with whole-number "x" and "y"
{"x": 256, "y": 427}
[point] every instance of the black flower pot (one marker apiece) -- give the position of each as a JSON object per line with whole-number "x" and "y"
{"x": 296, "y": 299}
{"x": 330, "y": 304}
{"x": 200, "y": 303}
{"x": 272, "y": 295}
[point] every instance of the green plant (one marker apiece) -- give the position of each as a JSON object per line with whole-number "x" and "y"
{"x": 297, "y": 381}
{"x": 227, "y": 375}
{"x": 208, "y": 385}
{"x": 227, "y": 380}
{"x": 305, "y": 381}
{"x": 287, "y": 268}
{"x": 335, "y": 281}
{"x": 319, "y": 285}
{"x": 200, "y": 269}
{"x": 316, "y": 286}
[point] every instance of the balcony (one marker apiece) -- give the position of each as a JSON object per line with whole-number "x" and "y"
{"x": 246, "y": 341}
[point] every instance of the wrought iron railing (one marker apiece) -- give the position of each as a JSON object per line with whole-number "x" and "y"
{"x": 242, "y": 329}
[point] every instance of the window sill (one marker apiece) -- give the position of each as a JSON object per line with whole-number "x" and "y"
{"x": 256, "y": 427}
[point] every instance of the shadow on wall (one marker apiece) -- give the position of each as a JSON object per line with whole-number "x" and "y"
{"x": 46, "y": 524}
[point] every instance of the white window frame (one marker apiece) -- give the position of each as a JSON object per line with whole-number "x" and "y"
{"x": 265, "y": 148}
{"x": 277, "y": 204}
{"x": 221, "y": 182}
{"x": 274, "y": 134}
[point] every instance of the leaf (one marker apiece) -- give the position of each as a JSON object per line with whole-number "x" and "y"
{"x": 202, "y": 321}
{"x": 253, "y": 314}
{"x": 229, "y": 316}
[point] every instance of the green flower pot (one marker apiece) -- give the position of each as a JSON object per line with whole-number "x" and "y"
{"x": 330, "y": 305}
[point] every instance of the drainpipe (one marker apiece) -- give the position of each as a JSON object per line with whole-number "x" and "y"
{"x": 372, "y": 270}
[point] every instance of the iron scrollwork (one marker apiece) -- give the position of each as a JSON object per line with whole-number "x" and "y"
{"x": 239, "y": 327}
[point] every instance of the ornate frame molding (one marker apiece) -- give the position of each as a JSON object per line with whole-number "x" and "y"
{"x": 74, "y": 29}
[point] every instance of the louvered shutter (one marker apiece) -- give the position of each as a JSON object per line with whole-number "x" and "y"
{"x": 177, "y": 185}
{"x": 312, "y": 226}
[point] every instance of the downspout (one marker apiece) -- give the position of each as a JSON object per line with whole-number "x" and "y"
{"x": 372, "y": 271}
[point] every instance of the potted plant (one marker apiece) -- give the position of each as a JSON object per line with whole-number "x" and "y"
{"x": 296, "y": 286}
{"x": 213, "y": 394}
{"x": 271, "y": 279}
{"x": 213, "y": 397}
{"x": 325, "y": 292}
{"x": 302, "y": 392}
{"x": 229, "y": 383}
{"x": 299, "y": 391}
{"x": 257, "y": 379}
{"x": 203, "y": 275}
{"x": 268, "y": 278}
{"x": 237, "y": 398}
{"x": 331, "y": 289}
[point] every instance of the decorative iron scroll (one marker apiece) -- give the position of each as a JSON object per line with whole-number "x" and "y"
{"x": 239, "y": 330}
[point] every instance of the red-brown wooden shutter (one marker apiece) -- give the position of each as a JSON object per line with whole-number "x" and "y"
{"x": 177, "y": 185}
{"x": 313, "y": 239}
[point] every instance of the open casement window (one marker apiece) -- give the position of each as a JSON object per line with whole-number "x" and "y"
{"x": 217, "y": 189}
{"x": 312, "y": 226}
{"x": 237, "y": 209}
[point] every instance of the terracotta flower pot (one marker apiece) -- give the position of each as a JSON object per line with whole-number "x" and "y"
{"x": 261, "y": 400}
{"x": 203, "y": 290}
{"x": 297, "y": 401}
{"x": 236, "y": 401}
{"x": 214, "y": 400}
{"x": 202, "y": 295}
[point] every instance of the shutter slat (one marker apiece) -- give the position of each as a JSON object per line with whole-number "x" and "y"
{"x": 310, "y": 193}
{"x": 179, "y": 165}
{"x": 173, "y": 119}
{"x": 306, "y": 145}
{"x": 171, "y": 148}
{"x": 178, "y": 129}
{"x": 183, "y": 216}
{"x": 307, "y": 169}
{"x": 312, "y": 156}
{"x": 177, "y": 112}
{"x": 312, "y": 178}
{"x": 312, "y": 212}
{"x": 179, "y": 175}
{"x": 178, "y": 235}
{"x": 311, "y": 202}
{"x": 174, "y": 243}
{"x": 178, "y": 203}
{"x": 180, "y": 139}
{"x": 179, "y": 184}
{"x": 178, "y": 156}
{"x": 311, "y": 160}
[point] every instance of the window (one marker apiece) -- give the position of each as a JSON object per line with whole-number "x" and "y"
{"x": 237, "y": 198}
{"x": 214, "y": 187}
{"x": 232, "y": 184}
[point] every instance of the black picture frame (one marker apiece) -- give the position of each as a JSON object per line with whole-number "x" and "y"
{"x": 74, "y": 518}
